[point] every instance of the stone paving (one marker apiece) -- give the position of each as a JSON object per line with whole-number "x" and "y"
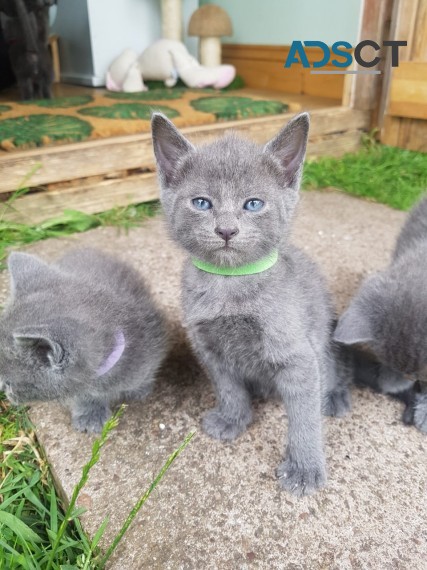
{"x": 220, "y": 506}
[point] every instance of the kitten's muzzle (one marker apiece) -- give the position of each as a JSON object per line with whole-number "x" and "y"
{"x": 226, "y": 233}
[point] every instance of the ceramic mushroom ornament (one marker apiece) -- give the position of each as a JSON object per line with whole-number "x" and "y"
{"x": 210, "y": 23}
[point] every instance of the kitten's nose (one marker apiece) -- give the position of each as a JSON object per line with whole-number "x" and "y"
{"x": 226, "y": 234}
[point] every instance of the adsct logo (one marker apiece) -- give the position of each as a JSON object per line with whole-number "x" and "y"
{"x": 340, "y": 50}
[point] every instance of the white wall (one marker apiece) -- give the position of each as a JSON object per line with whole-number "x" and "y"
{"x": 72, "y": 26}
{"x": 119, "y": 24}
{"x": 94, "y": 32}
{"x": 279, "y": 22}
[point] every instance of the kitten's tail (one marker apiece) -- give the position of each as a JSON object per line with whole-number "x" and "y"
{"x": 30, "y": 33}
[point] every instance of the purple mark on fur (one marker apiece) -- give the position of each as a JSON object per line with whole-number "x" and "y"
{"x": 115, "y": 354}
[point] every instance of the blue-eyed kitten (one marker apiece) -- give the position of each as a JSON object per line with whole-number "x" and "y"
{"x": 256, "y": 309}
{"x": 83, "y": 331}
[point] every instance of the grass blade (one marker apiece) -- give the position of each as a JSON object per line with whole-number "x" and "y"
{"x": 18, "y": 527}
{"x": 143, "y": 499}
{"x": 99, "y": 533}
{"x": 94, "y": 458}
{"x": 53, "y": 511}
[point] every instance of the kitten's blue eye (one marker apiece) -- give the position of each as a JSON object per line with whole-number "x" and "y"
{"x": 202, "y": 203}
{"x": 253, "y": 205}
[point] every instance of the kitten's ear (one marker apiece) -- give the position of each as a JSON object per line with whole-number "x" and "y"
{"x": 40, "y": 345}
{"x": 289, "y": 147}
{"x": 23, "y": 270}
{"x": 169, "y": 146}
{"x": 353, "y": 327}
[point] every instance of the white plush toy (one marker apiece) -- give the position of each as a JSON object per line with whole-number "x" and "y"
{"x": 124, "y": 74}
{"x": 168, "y": 60}
{"x": 165, "y": 60}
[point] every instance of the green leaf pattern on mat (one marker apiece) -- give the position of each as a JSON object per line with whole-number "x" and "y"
{"x": 230, "y": 108}
{"x": 61, "y": 102}
{"x": 152, "y": 95}
{"x": 40, "y": 129}
{"x": 128, "y": 111}
{"x": 4, "y": 108}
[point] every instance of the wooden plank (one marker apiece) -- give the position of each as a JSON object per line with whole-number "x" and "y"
{"x": 336, "y": 144}
{"x": 383, "y": 94}
{"x": 266, "y": 74}
{"x": 277, "y": 53}
{"x": 417, "y": 138}
{"x": 375, "y": 24}
{"x": 419, "y": 44}
{"x": 103, "y": 195}
{"x": 91, "y": 199}
{"x": 84, "y": 159}
{"x": 323, "y": 85}
{"x": 390, "y": 130}
{"x": 408, "y": 93}
{"x": 405, "y": 133}
{"x": 405, "y": 122}
{"x": 262, "y": 66}
{"x": 53, "y": 45}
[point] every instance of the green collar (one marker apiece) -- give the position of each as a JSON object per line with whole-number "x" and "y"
{"x": 248, "y": 269}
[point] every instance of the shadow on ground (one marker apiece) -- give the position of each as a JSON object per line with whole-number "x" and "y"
{"x": 220, "y": 506}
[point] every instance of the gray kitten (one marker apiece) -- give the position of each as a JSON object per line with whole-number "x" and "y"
{"x": 83, "y": 331}
{"x": 389, "y": 316}
{"x": 231, "y": 203}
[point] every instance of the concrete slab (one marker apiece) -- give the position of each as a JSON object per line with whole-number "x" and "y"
{"x": 220, "y": 506}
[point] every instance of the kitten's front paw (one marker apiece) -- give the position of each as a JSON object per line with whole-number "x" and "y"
{"x": 215, "y": 425}
{"x": 301, "y": 481}
{"x": 92, "y": 420}
{"x": 420, "y": 412}
{"x": 337, "y": 403}
{"x": 137, "y": 394}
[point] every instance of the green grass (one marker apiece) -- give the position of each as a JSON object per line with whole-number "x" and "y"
{"x": 37, "y": 531}
{"x": 380, "y": 173}
{"x": 18, "y": 234}
{"x": 30, "y": 511}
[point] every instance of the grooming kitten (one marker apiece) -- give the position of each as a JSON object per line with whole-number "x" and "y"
{"x": 230, "y": 203}
{"x": 26, "y": 29}
{"x": 83, "y": 331}
{"x": 389, "y": 315}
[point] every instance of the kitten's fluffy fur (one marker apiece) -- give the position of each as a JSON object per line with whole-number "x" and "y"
{"x": 389, "y": 315}
{"x": 256, "y": 335}
{"x": 60, "y": 324}
{"x": 25, "y": 25}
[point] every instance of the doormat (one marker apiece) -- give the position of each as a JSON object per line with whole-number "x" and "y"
{"x": 85, "y": 117}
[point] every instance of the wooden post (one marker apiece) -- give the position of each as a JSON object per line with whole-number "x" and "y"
{"x": 53, "y": 44}
{"x": 364, "y": 91}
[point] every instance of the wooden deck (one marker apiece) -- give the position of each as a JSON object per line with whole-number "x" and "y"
{"x": 98, "y": 175}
